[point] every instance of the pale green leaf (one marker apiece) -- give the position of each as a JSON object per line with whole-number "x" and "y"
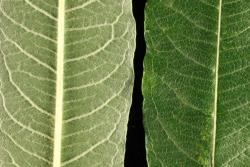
{"x": 196, "y": 83}
{"x": 65, "y": 82}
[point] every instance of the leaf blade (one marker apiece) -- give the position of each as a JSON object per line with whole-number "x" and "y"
{"x": 179, "y": 82}
{"x": 182, "y": 36}
{"x": 96, "y": 86}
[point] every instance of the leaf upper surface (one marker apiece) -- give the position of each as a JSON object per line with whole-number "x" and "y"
{"x": 196, "y": 83}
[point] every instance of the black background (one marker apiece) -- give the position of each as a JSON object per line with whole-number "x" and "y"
{"x": 135, "y": 146}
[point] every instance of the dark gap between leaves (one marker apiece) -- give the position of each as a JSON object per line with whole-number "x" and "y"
{"x": 135, "y": 155}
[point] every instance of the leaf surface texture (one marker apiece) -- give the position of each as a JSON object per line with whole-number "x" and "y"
{"x": 196, "y": 83}
{"x": 95, "y": 58}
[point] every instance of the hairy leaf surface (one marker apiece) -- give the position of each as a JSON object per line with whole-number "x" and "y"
{"x": 196, "y": 83}
{"x": 65, "y": 82}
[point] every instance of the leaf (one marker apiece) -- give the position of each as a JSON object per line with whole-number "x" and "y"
{"x": 65, "y": 82}
{"x": 196, "y": 83}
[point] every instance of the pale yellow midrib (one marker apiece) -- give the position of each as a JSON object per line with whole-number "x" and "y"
{"x": 59, "y": 85}
{"x": 216, "y": 85}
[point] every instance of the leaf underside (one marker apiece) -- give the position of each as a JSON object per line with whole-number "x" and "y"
{"x": 196, "y": 83}
{"x": 98, "y": 77}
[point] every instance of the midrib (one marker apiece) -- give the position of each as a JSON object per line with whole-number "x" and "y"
{"x": 59, "y": 85}
{"x": 216, "y": 84}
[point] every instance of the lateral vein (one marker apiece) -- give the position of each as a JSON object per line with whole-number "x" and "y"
{"x": 59, "y": 85}
{"x": 216, "y": 85}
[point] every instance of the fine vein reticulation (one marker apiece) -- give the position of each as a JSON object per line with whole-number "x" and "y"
{"x": 196, "y": 83}
{"x": 65, "y": 82}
